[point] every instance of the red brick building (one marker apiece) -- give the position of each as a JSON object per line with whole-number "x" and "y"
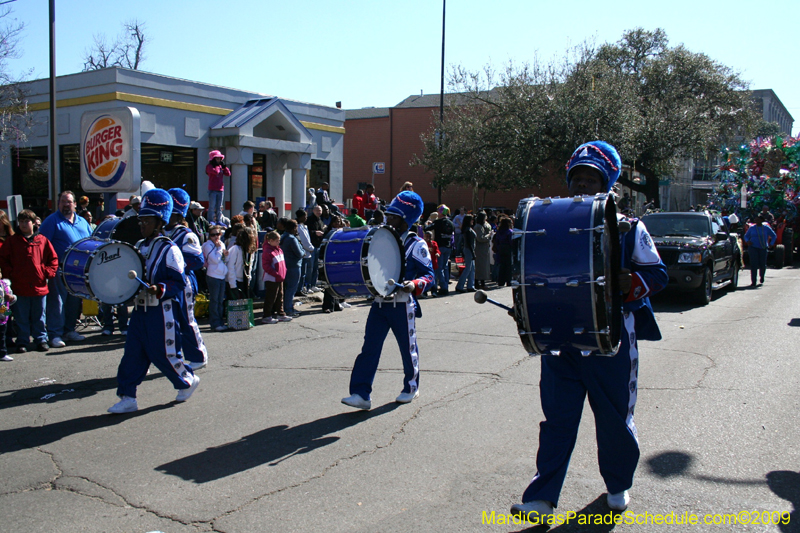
{"x": 392, "y": 136}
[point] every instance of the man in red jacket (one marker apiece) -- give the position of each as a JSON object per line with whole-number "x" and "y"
{"x": 29, "y": 260}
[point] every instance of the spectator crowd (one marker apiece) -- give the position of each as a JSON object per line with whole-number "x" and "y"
{"x": 255, "y": 254}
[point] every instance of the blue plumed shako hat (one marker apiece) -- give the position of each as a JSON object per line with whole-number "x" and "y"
{"x": 156, "y": 203}
{"x": 180, "y": 201}
{"x": 407, "y": 205}
{"x": 599, "y": 155}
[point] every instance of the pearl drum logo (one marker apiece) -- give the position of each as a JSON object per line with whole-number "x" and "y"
{"x": 103, "y": 151}
{"x": 110, "y": 150}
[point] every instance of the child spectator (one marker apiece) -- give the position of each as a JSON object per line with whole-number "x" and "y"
{"x": 8, "y": 300}
{"x": 433, "y": 248}
{"x": 354, "y": 220}
{"x": 240, "y": 262}
{"x": 29, "y": 260}
{"x": 274, "y": 273}
{"x": 214, "y": 254}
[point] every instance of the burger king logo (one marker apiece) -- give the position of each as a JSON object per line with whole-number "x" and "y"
{"x": 104, "y": 150}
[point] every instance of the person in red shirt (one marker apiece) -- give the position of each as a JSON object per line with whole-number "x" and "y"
{"x": 29, "y": 261}
{"x": 358, "y": 201}
{"x": 433, "y": 248}
{"x": 369, "y": 203}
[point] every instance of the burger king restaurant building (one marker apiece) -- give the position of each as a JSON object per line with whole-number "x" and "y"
{"x": 276, "y": 148}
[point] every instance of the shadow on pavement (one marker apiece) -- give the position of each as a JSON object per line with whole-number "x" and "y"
{"x": 582, "y": 521}
{"x": 786, "y": 485}
{"x": 271, "y": 445}
{"x": 12, "y": 440}
{"x": 64, "y": 391}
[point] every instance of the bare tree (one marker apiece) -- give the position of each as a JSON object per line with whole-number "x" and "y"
{"x": 14, "y": 118}
{"x": 126, "y": 51}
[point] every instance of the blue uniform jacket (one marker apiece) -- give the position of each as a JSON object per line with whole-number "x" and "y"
{"x": 640, "y": 256}
{"x": 189, "y": 245}
{"x": 419, "y": 267}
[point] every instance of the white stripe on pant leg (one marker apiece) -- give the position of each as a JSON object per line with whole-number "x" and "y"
{"x": 412, "y": 342}
{"x": 189, "y": 295}
{"x": 169, "y": 342}
{"x": 633, "y": 382}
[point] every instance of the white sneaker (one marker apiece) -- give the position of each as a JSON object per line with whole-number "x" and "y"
{"x": 125, "y": 405}
{"x": 345, "y": 305}
{"x": 284, "y": 318}
{"x": 535, "y": 512}
{"x": 184, "y": 394}
{"x": 221, "y": 328}
{"x": 6, "y": 358}
{"x": 106, "y": 332}
{"x": 358, "y": 402}
{"x": 56, "y": 342}
{"x": 269, "y": 320}
{"x": 197, "y": 366}
{"x": 407, "y": 397}
{"x": 74, "y": 336}
{"x": 618, "y": 501}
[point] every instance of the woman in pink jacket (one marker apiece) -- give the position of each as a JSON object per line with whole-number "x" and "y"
{"x": 274, "y": 274}
{"x": 216, "y": 170}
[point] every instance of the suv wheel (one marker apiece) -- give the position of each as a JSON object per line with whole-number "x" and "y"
{"x": 703, "y": 294}
{"x": 780, "y": 256}
{"x": 735, "y": 276}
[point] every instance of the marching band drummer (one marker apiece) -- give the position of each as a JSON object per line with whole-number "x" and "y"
{"x": 609, "y": 381}
{"x": 397, "y": 312}
{"x": 154, "y": 331}
{"x": 194, "y": 349}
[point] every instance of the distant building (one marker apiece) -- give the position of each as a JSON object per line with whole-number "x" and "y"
{"x": 391, "y": 135}
{"x": 276, "y": 148}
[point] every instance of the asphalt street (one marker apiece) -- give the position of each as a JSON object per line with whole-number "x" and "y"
{"x": 265, "y": 445}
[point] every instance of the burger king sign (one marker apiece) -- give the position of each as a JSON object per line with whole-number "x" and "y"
{"x": 110, "y": 156}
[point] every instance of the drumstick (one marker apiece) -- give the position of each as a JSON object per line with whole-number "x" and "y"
{"x": 481, "y": 297}
{"x": 132, "y": 275}
{"x": 393, "y": 283}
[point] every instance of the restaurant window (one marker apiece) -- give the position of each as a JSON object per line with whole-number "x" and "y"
{"x": 29, "y": 177}
{"x": 170, "y": 166}
{"x": 257, "y": 179}
{"x": 320, "y": 173}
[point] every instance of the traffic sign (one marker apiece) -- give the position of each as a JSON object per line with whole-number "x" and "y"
{"x": 379, "y": 168}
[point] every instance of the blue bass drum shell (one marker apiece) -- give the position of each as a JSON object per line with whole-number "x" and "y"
{"x": 359, "y": 262}
{"x": 97, "y": 269}
{"x": 567, "y": 264}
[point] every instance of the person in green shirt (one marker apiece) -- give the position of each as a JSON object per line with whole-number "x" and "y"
{"x": 355, "y": 220}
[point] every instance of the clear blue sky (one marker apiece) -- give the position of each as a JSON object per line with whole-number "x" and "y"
{"x": 375, "y": 53}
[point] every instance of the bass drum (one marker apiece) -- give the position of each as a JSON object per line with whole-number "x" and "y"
{"x": 361, "y": 261}
{"x": 97, "y": 269}
{"x": 568, "y": 262}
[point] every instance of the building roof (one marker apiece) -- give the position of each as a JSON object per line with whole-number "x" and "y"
{"x": 432, "y": 100}
{"x": 367, "y": 112}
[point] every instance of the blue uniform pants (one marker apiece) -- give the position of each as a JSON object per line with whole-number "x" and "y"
{"x": 611, "y": 383}
{"x": 384, "y": 316}
{"x": 152, "y": 338}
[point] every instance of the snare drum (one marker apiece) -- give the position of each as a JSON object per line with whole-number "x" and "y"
{"x": 361, "y": 261}
{"x": 98, "y": 269}
{"x": 567, "y": 292}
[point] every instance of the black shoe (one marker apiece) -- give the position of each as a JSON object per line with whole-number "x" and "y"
{"x": 22, "y": 348}
{"x": 471, "y": 290}
{"x": 460, "y": 291}
{"x": 443, "y": 293}
{"x": 42, "y": 347}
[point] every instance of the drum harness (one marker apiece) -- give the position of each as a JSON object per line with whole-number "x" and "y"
{"x": 144, "y": 298}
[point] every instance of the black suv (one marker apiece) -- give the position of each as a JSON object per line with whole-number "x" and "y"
{"x": 698, "y": 251}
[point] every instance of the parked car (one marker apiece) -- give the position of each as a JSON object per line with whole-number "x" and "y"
{"x": 699, "y": 253}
